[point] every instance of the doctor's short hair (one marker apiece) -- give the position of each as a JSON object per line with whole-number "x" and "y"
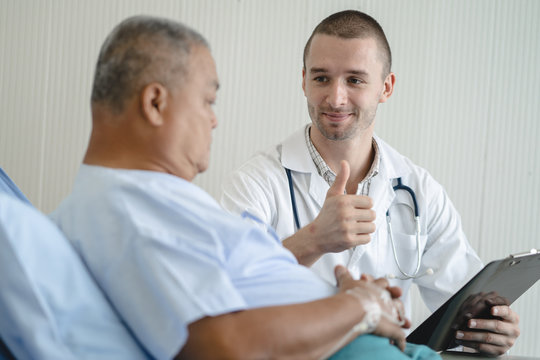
{"x": 138, "y": 51}
{"x": 352, "y": 24}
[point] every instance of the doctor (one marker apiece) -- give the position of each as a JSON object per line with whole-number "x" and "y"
{"x": 332, "y": 189}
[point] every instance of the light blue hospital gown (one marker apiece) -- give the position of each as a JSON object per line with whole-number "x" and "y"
{"x": 166, "y": 254}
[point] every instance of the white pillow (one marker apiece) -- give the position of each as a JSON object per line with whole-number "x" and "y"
{"x": 50, "y": 307}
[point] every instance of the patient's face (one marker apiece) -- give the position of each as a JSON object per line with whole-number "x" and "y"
{"x": 190, "y": 116}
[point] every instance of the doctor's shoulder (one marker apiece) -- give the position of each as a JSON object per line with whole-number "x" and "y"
{"x": 261, "y": 167}
{"x": 426, "y": 188}
{"x": 424, "y": 184}
{"x": 252, "y": 185}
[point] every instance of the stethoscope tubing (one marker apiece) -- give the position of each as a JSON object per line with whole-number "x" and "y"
{"x": 293, "y": 199}
{"x": 400, "y": 186}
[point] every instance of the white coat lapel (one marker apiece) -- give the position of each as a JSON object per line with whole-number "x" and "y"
{"x": 382, "y": 193}
{"x": 295, "y": 156}
{"x": 318, "y": 188}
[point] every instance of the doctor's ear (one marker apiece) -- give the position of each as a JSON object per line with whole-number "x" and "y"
{"x": 388, "y": 88}
{"x": 153, "y": 99}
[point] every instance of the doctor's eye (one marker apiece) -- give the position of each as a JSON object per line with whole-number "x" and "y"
{"x": 356, "y": 81}
{"x": 320, "y": 79}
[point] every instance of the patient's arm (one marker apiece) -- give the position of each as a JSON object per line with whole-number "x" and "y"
{"x": 293, "y": 331}
{"x": 306, "y": 331}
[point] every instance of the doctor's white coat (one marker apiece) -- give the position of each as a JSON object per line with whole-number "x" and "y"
{"x": 260, "y": 187}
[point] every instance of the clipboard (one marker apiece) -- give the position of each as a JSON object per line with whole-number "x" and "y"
{"x": 500, "y": 282}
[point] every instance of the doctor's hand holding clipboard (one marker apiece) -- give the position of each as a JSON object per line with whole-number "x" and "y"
{"x": 496, "y": 333}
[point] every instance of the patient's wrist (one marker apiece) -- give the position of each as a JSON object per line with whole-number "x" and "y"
{"x": 372, "y": 311}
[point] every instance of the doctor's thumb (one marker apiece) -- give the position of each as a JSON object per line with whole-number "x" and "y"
{"x": 338, "y": 187}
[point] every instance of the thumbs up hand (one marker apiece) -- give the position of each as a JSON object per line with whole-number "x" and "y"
{"x": 338, "y": 187}
{"x": 345, "y": 221}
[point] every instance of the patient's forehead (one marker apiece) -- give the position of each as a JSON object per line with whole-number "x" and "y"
{"x": 202, "y": 69}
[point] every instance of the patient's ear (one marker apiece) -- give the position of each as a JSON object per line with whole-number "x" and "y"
{"x": 153, "y": 103}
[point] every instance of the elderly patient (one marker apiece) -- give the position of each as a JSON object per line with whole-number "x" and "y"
{"x": 188, "y": 279}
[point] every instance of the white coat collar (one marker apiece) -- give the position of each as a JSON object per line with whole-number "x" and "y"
{"x": 393, "y": 165}
{"x": 295, "y": 153}
{"x": 295, "y": 156}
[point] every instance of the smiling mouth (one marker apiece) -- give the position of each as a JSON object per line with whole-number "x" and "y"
{"x": 336, "y": 117}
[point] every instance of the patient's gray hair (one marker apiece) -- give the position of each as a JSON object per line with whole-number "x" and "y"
{"x": 141, "y": 50}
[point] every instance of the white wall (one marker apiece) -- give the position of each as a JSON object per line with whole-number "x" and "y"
{"x": 465, "y": 104}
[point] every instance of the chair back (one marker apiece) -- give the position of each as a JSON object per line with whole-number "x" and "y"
{"x": 50, "y": 306}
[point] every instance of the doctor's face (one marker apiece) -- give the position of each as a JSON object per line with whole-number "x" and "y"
{"x": 343, "y": 84}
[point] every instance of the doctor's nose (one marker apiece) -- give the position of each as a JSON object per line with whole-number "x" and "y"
{"x": 337, "y": 95}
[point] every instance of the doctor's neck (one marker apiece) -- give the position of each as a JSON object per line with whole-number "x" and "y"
{"x": 357, "y": 151}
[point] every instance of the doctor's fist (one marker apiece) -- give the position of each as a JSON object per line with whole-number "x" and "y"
{"x": 345, "y": 221}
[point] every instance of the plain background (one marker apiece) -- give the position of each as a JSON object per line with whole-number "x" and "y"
{"x": 465, "y": 105}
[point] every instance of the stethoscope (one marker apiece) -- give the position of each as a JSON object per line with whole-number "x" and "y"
{"x": 416, "y": 215}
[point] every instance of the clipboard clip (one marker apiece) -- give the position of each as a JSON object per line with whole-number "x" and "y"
{"x": 518, "y": 255}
